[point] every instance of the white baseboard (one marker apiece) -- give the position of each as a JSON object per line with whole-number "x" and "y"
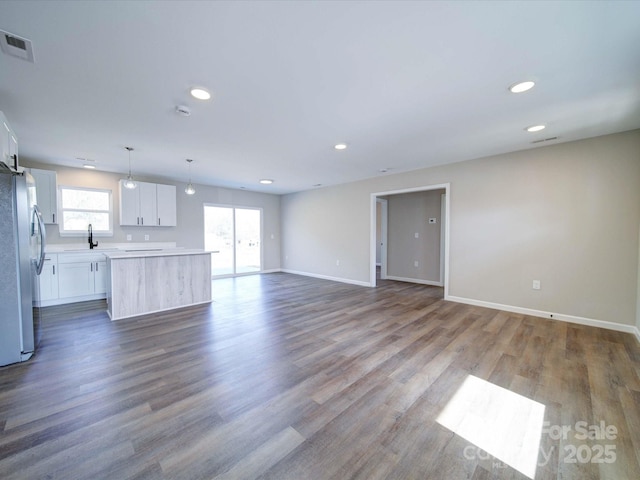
{"x": 271, "y": 270}
{"x": 66, "y": 300}
{"x": 619, "y": 327}
{"x": 414, "y": 280}
{"x": 327, "y": 277}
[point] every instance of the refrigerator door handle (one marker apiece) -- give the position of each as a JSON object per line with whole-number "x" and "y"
{"x": 43, "y": 238}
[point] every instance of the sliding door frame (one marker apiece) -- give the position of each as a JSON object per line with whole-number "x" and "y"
{"x": 234, "y": 242}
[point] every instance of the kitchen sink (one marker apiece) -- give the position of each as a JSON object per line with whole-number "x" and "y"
{"x": 88, "y": 250}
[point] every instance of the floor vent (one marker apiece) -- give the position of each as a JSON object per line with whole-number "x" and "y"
{"x": 16, "y": 46}
{"x": 545, "y": 140}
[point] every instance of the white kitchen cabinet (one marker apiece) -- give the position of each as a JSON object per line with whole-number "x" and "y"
{"x": 148, "y": 205}
{"x": 82, "y": 275}
{"x": 75, "y": 279}
{"x": 48, "y": 279}
{"x": 46, "y": 192}
{"x": 166, "y": 201}
{"x": 100, "y": 277}
{"x": 8, "y": 143}
{"x": 129, "y": 205}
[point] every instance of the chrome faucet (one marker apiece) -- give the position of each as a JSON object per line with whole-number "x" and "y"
{"x": 91, "y": 244}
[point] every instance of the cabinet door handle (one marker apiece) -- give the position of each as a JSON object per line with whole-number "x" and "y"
{"x": 54, "y": 269}
{"x": 158, "y": 221}
{"x": 141, "y": 220}
{"x": 96, "y": 266}
{"x": 138, "y": 220}
{"x": 54, "y": 217}
{"x": 92, "y": 266}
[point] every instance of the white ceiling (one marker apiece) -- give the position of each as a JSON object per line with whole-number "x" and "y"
{"x": 406, "y": 85}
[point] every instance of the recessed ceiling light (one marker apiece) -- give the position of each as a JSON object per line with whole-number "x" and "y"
{"x": 266, "y": 181}
{"x": 521, "y": 86}
{"x": 89, "y": 166}
{"x": 200, "y": 93}
{"x": 340, "y": 146}
{"x": 535, "y": 128}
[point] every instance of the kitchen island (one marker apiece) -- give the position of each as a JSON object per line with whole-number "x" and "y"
{"x": 141, "y": 282}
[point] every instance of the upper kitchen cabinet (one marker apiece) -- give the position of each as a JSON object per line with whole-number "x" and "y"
{"x": 138, "y": 205}
{"x": 166, "y": 201}
{"x": 8, "y": 144}
{"x": 148, "y": 205}
{"x": 47, "y": 193}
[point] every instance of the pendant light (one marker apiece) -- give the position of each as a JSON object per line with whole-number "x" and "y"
{"x": 129, "y": 182}
{"x": 189, "y": 189}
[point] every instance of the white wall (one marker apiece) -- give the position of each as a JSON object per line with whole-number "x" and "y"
{"x": 327, "y": 232}
{"x": 567, "y": 215}
{"x": 189, "y": 231}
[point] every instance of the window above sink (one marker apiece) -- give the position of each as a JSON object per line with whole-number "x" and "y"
{"x": 80, "y": 207}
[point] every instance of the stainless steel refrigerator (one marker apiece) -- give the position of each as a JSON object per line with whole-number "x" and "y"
{"x": 22, "y": 246}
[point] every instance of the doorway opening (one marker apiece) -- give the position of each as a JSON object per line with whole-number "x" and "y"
{"x": 382, "y": 223}
{"x": 235, "y": 236}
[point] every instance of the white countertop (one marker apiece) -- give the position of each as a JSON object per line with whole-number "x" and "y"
{"x": 116, "y": 254}
{"x": 107, "y": 247}
{"x": 127, "y": 250}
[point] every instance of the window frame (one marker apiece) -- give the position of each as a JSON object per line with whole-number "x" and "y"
{"x": 80, "y": 233}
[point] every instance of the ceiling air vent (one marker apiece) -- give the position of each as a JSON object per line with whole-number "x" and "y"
{"x": 16, "y": 46}
{"x": 545, "y": 140}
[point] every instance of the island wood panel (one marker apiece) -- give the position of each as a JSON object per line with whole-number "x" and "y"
{"x": 147, "y": 284}
{"x": 127, "y": 290}
{"x": 176, "y": 281}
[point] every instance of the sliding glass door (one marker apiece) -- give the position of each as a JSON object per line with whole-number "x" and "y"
{"x": 235, "y": 234}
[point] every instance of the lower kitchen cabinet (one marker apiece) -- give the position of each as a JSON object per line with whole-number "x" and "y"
{"x": 76, "y": 277}
{"x": 100, "y": 277}
{"x": 49, "y": 278}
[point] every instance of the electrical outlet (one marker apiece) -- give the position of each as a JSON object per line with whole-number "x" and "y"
{"x": 128, "y": 238}
{"x": 432, "y": 220}
{"x": 536, "y": 284}
{"x": 146, "y": 237}
{"x": 337, "y": 263}
{"x": 417, "y": 235}
{"x": 415, "y": 264}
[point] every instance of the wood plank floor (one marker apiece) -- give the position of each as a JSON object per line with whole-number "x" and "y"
{"x": 288, "y": 377}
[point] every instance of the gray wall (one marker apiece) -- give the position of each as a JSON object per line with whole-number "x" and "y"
{"x": 638, "y": 297}
{"x": 189, "y": 232}
{"x": 567, "y": 215}
{"x": 409, "y": 215}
